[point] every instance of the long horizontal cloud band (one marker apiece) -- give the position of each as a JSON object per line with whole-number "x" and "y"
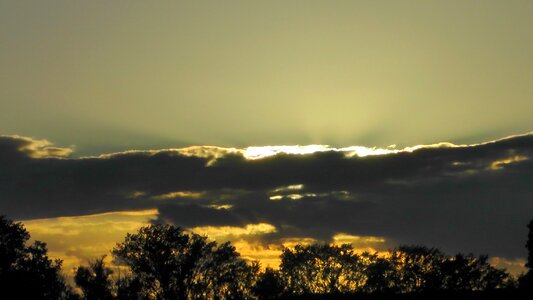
{"x": 470, "y": 198}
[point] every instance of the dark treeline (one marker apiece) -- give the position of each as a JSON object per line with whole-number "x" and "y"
{"x": 164, "y": 262}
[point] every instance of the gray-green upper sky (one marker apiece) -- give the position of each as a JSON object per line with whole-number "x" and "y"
{"x": 110, "y": 75}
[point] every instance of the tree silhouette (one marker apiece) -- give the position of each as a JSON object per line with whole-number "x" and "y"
{"x": 165, "y": 262}
{"x": 382, "y": 274}
{"x": 426, "y": 269}
{"x": 419, "y": 268}
{"x": 26, "y": 272}
{"x": 13, "y": 238}
{"x": 321, "y": 268}
{"x": 95, "y": 280}
{"x": 326, "y": 269}
{"x": 172, "y": 264}
{"x": 526, "y": 280}
{"x": 529, "y": 246}
{"x": 269, "y": 285}
{"x": 470, "y": 273}
{"x": 129, "y": 287}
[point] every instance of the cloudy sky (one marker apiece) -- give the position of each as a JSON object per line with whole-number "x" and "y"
{"x": 413, "y": 121}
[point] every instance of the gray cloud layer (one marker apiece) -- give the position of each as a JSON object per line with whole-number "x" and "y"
{"x": 474, "y": 198}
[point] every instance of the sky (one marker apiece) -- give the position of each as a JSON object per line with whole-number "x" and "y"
{"x": 269, "y": 122}
{"x": 113, "y": 75}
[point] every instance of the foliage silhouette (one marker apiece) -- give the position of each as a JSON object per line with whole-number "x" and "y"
{"x": 96, "y": 283}
{"x": 382, "y": 274}
{"x": 26, "y": 272}
{"x": 269, "y": 285}
{"x": 526, "y": 280}
{"x": 165, "y": 262}
{"x": 95, "y": 280}
{"x": 321, "y": 268}
{"x": 130, "y": 287}
{"x": 425, "y": 269}
{"x": 418, "y": 268}
{"x": 529, "y": 246}
{"x": 172, "y": 264}
{"x": 327, "y": 269}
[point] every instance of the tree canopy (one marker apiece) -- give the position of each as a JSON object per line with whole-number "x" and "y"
{"x": 95, "y": 280}
{"x": 327, "y": 268}
{"x": 26, "y": 272}
{"x": 172, "y": 264}
{"x": 163, "y": 262}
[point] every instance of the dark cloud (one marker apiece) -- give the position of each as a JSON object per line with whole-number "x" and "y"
{"x": 471, "y": 198}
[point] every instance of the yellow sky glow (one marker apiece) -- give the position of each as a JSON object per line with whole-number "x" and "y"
{"x": 76, "y": 240}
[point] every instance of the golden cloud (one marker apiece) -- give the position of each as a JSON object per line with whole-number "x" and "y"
{"x": 40, "y": 148}
{"x": 180, "y": 194}
{"x": 78, "y": 239}
{"x": 515, "y": 267}
{"x": 499, "y": 164}
{"x": 234, "y": 232}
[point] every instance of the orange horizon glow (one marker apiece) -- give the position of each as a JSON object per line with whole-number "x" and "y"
{"x": 79, "y": 239}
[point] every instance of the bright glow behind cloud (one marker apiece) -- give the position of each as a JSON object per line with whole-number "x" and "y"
{"x": 359, "y": 151}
